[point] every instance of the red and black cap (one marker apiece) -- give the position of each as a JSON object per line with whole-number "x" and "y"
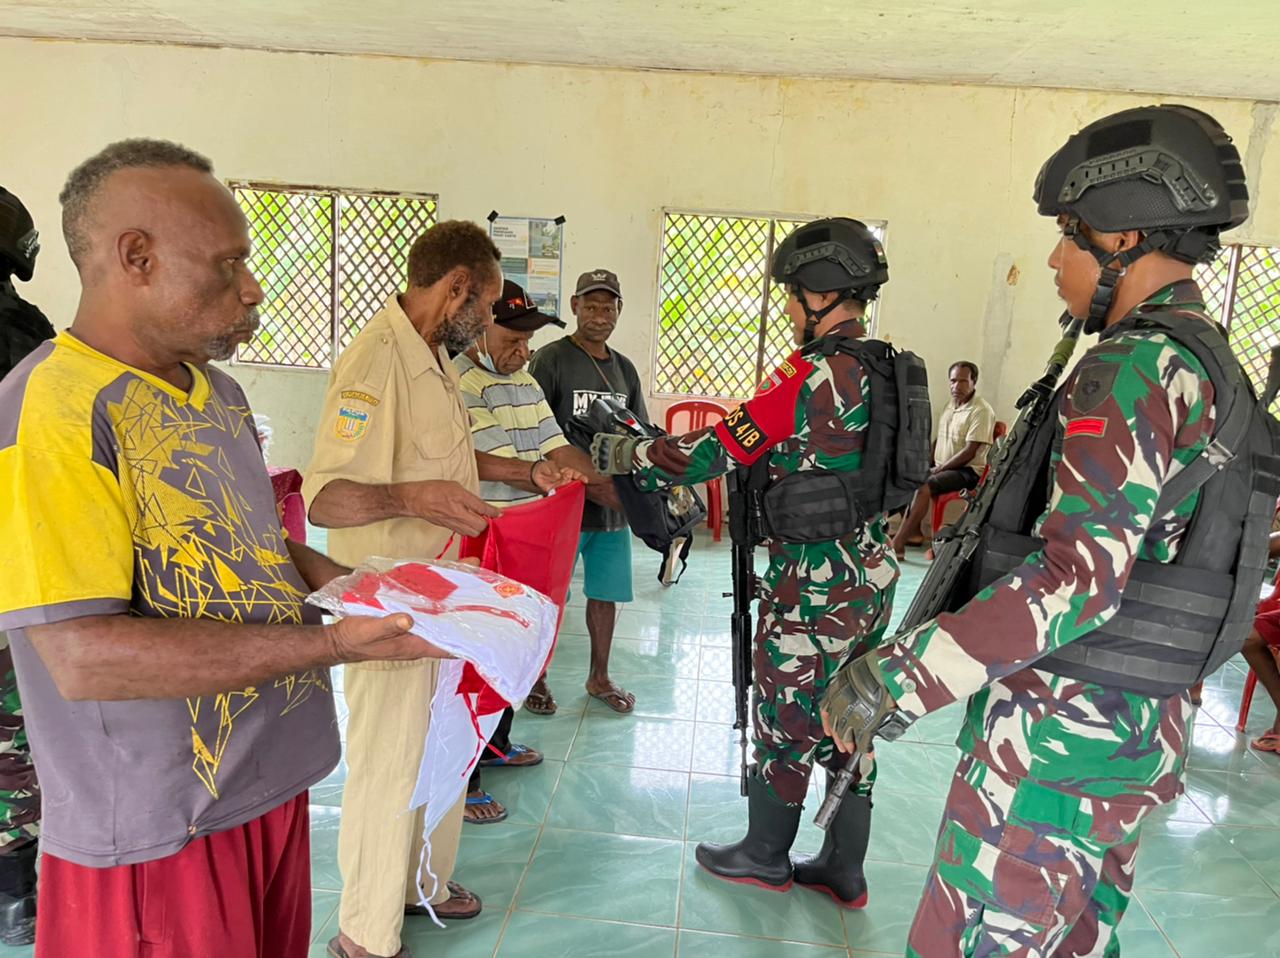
{"x": 515, "y": 310}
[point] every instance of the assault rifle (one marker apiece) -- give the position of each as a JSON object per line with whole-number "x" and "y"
{"x": 954, "y": 546}
{"x": 746, "y": 521}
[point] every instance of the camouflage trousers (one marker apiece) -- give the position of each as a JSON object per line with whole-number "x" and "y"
{"x": 1025, "y": 870}
{"x": 793, "y": 661}
{"x": 19, "y": 793}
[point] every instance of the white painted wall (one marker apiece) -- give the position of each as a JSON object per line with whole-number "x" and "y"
{"x": 950, "y": 168}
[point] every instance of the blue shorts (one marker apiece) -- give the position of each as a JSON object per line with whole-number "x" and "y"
{"x": 606, "y": 565}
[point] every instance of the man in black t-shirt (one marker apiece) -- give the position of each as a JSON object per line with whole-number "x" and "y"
{"x": 573, "y": 372}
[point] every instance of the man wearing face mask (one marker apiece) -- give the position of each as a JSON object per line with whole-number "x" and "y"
{"x": 394, "y": 474}
{"x": 514, "y": 427}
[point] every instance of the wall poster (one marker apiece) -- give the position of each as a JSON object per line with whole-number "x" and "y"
{"x": 532, "y": 249}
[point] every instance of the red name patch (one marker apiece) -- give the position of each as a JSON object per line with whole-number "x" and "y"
{"x": 1086, "y": 427}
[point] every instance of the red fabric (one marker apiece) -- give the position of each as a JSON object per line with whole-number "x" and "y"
{"x": 245, "y": 892}
{"x": 287, "y": 485}
{"x": 535, "y": 543}
{"x": 768, "y": 419}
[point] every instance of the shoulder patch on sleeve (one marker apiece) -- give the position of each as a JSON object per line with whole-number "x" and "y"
{"x": 769, "y": 417}
{"x": 360, "y": 396}
{"x": 1086, "y": 426}
{"x": 1093, "y": 385}
{"x": 352, "y": 421}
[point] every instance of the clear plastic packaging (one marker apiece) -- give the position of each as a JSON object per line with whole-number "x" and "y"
{"x": 503, "y": 628}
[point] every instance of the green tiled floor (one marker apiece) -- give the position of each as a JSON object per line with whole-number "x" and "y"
{"x": 597, "y": 856}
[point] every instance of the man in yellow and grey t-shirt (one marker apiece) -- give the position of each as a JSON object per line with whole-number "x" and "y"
{"x": 966, "y": 430}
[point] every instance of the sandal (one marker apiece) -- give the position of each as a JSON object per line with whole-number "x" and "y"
{"x": 459, "y": 906}
{"x": 517, "y": 756}
{"x": 539, "y": 701}
{"x": 617, "y": 698}
{"x": 1267, "y": 742}
{"x": 485, "y": 800}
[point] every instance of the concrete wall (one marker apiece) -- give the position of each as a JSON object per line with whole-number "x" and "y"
{"x": 950, "y": 168}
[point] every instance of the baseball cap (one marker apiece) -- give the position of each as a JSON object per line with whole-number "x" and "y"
{"x": 598, "y": 279}
{"x": 515, "y": 310}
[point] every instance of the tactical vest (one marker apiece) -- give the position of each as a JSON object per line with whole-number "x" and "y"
{"x": 1178, "y": 622}
{"x": 819, "y": 505}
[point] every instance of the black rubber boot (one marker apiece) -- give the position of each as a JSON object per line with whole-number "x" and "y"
{"x": 837, "y": 869}
{"x": 762, "y": 857}
{"x": 18, "y": 895}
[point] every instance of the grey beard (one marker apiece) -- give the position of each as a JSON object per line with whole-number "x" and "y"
{"x": 463, "y": 328}
{"x": 220, "y": 348}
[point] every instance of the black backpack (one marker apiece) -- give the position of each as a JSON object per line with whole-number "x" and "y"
{"x": 899, "y": 448}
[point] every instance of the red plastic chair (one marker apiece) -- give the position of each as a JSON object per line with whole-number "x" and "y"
{"x": 1251, "y": 683}
{"x": 701, "y": 414}
{"x": 940, "y": 502}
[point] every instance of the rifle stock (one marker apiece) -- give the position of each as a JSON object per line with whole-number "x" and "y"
{"x": 955, "y": 545}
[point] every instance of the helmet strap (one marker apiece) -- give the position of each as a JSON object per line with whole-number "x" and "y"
{"x": 1114, "y": 266}
{"x": 812, "y": 317}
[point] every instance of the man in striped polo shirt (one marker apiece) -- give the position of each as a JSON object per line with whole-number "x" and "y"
{"x": 511, "y": 420}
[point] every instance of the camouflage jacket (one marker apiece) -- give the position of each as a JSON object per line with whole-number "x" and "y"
{"x": 1112, "y": 457}
{"x": 812, "y": 412}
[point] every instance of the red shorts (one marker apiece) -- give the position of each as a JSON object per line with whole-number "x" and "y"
{"x": 1267, "y": 625}
{"x": 242, "y": 893}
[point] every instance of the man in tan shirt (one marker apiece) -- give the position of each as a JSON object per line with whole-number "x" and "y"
{"x": 395, "y": 474}
{"x": 966, "y": 430}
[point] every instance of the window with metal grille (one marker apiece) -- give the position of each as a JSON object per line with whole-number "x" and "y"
{"x": 327, "y": 260}
{"x": 1242, "y": 290}
{"x": 722, "y": 324}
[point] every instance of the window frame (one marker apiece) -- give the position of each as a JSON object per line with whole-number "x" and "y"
{"x": 337, "y": 194}
{"x": 766, "y": 288}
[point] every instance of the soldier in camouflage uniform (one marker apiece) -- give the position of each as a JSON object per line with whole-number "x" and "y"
{"x": 821, "y": 602}
{"x": 22, "y": 328}
{"x": 1035, "y": 855}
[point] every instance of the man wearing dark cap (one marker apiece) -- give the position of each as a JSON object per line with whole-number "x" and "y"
{"x": 573, "y": 372}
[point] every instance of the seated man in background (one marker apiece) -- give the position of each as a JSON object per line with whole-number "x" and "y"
{"x": 511, "y": 420}
{"x": 965, "y": 432}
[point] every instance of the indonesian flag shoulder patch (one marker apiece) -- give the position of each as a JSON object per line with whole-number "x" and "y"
{"x": 1086, "y": 426}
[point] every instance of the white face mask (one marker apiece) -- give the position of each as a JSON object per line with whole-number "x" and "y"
{"x": 485, "y": 359}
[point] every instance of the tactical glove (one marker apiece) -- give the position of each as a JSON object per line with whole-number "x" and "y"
{"x": 857, "y": 706}
{"x": 615, "y": 455}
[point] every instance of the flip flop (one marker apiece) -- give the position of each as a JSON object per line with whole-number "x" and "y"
{"x": 616, "y": 699}
{"x": 1267, "y": 742}
{"x": 456, "y": 894}
{"x": 514, "y": 757}
{"x": 540, "y": 703}
{"x": 487, "y": 800}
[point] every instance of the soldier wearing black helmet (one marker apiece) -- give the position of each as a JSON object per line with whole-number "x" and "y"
{"x": 22, "y": 329}
{"x": 822, "y": 597}
{"x": 1134, "y": 574}
{"x": 22, "y": 326}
